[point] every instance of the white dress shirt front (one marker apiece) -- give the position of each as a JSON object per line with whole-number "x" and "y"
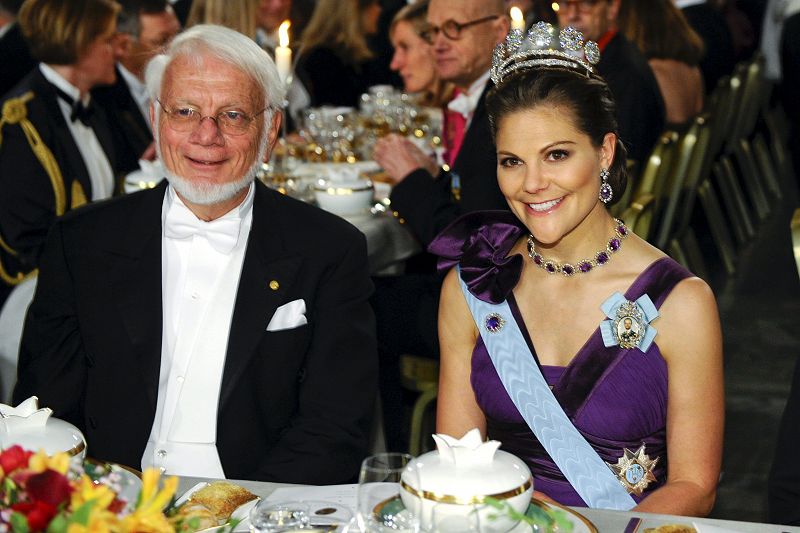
{"x": 100, "y": 173}
{"x": 466, "y": 102}
{"x": 199, "y": 285}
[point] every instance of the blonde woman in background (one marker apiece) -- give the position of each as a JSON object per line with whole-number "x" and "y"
{"x": 335, "y": 52}
{"x": 413, "y": 56}
{"x": 239, "y": 15}
{"x": 673, "y": 50}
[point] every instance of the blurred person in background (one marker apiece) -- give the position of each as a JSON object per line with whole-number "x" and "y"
{"x": 335, "y": 51}
{"x": 12, "y": 44}
{"x": 673, "y": 50}
{"x": 145, "y": 27}
{"x": 269, "y": 16}
{"x": 462, "y": 34}
{"x": 640, "y": 108}
{"x": 239, "y": 15}
{"x": 56, "y": 151}
{"x": 413, "y": 57}
{"x": 707, "y": 20}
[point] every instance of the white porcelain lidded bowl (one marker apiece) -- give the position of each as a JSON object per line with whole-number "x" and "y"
{"x": 458, "y": 476}
{"x": 344, "y": 196}
{"x": 33, "y": 428}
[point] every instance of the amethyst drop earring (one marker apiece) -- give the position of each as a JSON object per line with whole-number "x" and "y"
{"x": 606, "y": 192}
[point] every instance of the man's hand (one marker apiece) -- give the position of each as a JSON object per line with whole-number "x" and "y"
{"x": 399, "y": 157}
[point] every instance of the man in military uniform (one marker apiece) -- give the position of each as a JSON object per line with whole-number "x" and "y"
{"x": 55, "y": 147}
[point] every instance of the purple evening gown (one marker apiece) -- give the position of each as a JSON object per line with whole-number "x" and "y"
{"x": 616, "y": 398}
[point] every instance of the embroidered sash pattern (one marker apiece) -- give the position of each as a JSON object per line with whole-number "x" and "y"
{"x": 578, "y": 461}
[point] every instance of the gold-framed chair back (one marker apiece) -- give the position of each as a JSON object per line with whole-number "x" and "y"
{"x": 657, "y": 168}
{"x": 795, "y": 226}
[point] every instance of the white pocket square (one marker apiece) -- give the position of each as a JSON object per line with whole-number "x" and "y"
{"x": 289, "y": 315}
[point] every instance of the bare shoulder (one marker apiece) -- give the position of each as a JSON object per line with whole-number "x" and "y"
{"x": 455, "y": 317}
{"x": 689, "y": 321}
{"x": 691, "y": 299}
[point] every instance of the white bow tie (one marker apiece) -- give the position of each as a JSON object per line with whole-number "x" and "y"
{"x": 464, "y": 104}
{"x": 222, "y": 233}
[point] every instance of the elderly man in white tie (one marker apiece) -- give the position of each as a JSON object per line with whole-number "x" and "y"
{"x": 210, "y": 326}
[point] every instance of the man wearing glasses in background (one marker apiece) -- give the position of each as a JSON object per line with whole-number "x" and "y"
{"x": 210, "y": 326}
{"x": 640, "y": 108}
{"x": 145, "y": 27}
{"x": 463, "y": 34}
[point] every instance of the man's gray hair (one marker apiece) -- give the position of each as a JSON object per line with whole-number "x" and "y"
{"x": 224, "y": 44}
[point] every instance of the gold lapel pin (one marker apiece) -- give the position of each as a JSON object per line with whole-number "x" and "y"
{"x": 274, "y": 285}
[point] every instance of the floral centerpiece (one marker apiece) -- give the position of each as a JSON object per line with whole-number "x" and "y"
{"x": 42, "y": 493}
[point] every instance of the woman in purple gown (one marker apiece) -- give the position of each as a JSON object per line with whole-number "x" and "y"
{"x": 646, "y": 393}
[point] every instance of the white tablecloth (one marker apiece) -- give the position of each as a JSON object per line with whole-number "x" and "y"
{"x": 605, "y": 521}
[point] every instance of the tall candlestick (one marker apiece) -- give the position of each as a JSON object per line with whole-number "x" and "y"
{"x": 283, "y": 54}
{"x": 517, "y": 19}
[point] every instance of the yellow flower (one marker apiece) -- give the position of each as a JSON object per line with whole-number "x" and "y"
{"x": 96, "y": 525}
{"x": 87, "y": 491}
{"x": 40, "y": 462}
{"x": 148, "y": 517}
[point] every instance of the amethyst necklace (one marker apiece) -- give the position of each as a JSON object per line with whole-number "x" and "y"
{"x": 586, "y": 265}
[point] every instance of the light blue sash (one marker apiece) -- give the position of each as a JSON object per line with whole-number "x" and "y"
{"x": 588, "y": 474}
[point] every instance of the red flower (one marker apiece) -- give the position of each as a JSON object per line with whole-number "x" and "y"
{"x": 39, "y": 514}
{"x": 49, "y": 487}
{"x": 14, "y": 458}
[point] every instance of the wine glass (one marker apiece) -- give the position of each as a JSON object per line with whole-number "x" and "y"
{"x": 380, "y": 508}
{"x": 271, "y": 517}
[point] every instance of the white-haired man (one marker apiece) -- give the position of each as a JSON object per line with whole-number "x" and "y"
{"x": 209, "y": 327}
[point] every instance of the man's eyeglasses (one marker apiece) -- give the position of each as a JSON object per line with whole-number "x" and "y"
{"x": 186, "y": 119}
{"x": 581, "y": 5}
{"x": 452, "y": 29}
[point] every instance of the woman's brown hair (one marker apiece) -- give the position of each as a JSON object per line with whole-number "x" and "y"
{"x": 59, "y": 31}
{"x": 660, "y": 30}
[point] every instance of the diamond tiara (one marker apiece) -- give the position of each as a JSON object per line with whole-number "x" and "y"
{"x": 539, "y": 47}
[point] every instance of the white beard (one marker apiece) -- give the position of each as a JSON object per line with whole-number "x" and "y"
{"x": 212, "y": 193}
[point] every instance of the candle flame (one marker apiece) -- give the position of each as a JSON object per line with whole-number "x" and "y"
{"x": 516, "y": 14}
{"x": 554, "y": 6}
{"x": 283, "y": 33}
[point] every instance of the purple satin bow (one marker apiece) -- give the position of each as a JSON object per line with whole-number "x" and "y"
{"x": 480, "y": 243}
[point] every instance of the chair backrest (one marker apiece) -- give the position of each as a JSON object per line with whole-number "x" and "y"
{"x": 657, "y": 167}
{"x": 698, "y": 167}
{"x": 672, "y": 191}
{"x": 726, "y": 109}
{"x": 639, "y": 215}
{"x": 795, "y": 225}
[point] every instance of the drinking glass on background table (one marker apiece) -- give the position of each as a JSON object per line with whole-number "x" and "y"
{"x": 380, "y": 508}
{"x": 271, "y": 517}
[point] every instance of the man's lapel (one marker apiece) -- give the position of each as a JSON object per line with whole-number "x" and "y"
{"x": 135, "y": 267}
{"x": 64, "y": 139}
{"x": 268, "y": 272}
{"x": 475, "y": 136}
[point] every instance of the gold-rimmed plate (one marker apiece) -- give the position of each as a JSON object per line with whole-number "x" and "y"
{"x": 124, "y": 480}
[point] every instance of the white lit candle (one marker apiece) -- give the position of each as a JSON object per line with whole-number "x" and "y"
{"x": 517, "y": 19}
{"x": 283, "y": 54}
